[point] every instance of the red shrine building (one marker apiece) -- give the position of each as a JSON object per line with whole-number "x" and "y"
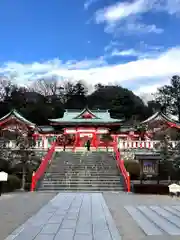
{"x": 77, "y": 126}
{"x": 86, "y": 124}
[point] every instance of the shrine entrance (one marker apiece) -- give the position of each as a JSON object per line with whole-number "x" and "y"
{"x": 83, "y": 134}
{"x": 82, "y": 138}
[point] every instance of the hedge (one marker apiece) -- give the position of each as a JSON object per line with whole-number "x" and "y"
{"x": 133, "y": 168}
{"x": 151, "y": 189}
{"x": 12, "y": 184}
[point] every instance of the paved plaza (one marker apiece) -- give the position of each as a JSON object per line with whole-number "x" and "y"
{"x": 97, "y": 216}
{"x": 70, "y": 216}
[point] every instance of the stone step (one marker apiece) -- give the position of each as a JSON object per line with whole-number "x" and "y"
{"x": 80, "y": 183}
{"x": 101, "y": 170}
{"x": 82, "y": 175}
{"x": 77, "y": 170}
{"x": 85, "y": 179}
{"x": 85, "y": 173}
{"x": 82, "y": 180}
{"x": 83, "y": 164}
{"x": 82, "y": 167}
{"x": 82, "y": 172}
{"x": 77, "y": 184}
{"x": 82, "y": 189}
{"x": 90, "y": 162}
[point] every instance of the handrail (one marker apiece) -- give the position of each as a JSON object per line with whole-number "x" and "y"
{"x": 122, "y": 169}
{"x": 136, "y": 144}
{"x": 42, "y": 167}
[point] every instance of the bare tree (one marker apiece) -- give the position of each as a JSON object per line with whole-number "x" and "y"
{"x": 23, "y": 157}
{"x": 6, "y": 87}
{"x": 47, "y": 86}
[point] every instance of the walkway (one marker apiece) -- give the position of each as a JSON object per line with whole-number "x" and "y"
{"x": 85, "y": 216}
{"x": 145, "y": 217}
{"x": 70, "y": 216}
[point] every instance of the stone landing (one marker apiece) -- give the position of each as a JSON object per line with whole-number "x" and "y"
{"x": 70, "y": 216}
{"x": 156, "y": 220}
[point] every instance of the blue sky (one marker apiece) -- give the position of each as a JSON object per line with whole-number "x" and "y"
{"x": 132, "y": 43}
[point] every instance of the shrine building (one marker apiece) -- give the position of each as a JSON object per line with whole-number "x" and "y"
{"x": 76, "y": 126}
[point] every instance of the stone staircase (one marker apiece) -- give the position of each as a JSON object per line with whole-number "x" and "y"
{"x": 88, "y": 171}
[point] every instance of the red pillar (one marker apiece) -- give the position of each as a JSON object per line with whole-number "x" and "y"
{"x": 94, "y": 140}
{"x": 77, "y": 139}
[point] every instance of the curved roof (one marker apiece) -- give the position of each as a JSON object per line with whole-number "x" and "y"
{"x": 76, "y": 116}
{"x": 14, "y": 113}
{"x": 170, "y": 119}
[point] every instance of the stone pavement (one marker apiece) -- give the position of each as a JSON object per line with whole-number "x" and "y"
{"x": 85, "y": 216}
{"x": 145, "y": 216}
{"x": 18, "y": 207}
{"x": 70, "y": 216}
{"x": 156, "y": 220}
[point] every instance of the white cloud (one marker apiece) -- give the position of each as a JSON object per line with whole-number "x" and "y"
{"x": 134, "y": 53}
{"x": 129, "y": 27}
{"x": 88, "y": 3}
{"x": 146, "y": 92}
{"x": 124, "y": 16}
{"x": 96, "y": 71}
{"x": 112, "y": 45}
{"x": 119, "y": 11}
{"x": 143, "y": 28}
{"x": 129, "y": 52}
{"x": 123, "y": 10}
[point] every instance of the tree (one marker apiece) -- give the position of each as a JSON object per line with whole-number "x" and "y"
{"x": 26, "y": 158}
{"x": 141, "y": 130}
{"x": 6, "y": 87}
{"x": 5, "y": 152}
{"x": 166, "y": 164}
{"x": 47, "y": 86}
{"x": 22, "y": 158}
{"x": 153, "y": 106}
{"x": 47, "y": 98}
{"x": 121, "y": 102}
{"x": 76, "y": 95}
{"x": 169, "y": 96}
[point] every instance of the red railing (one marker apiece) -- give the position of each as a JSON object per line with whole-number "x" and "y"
{"x": 42, "y": 168}
{"x": 122, "y": 169}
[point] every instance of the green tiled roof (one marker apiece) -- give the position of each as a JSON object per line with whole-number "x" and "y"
{"x": 46, "y": 128}
{"x": 17, "y": 115}
{"x": 74, "y": 116}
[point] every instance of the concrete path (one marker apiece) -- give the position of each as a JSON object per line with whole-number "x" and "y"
{"x": 70, "y": 216}
{"x": 145, "y": 217}
{"x": 85, "y": 216}
{"x": 16, "y": 208}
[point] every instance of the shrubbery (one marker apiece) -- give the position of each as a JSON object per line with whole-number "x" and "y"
{"x": 133, "y": 168}
{"x": 151, "y": 189}
{"x": 12, "y": 184}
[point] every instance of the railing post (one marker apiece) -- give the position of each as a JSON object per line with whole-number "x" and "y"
{"x": 128, "y": 182}
{"x": 33, "y": 182}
